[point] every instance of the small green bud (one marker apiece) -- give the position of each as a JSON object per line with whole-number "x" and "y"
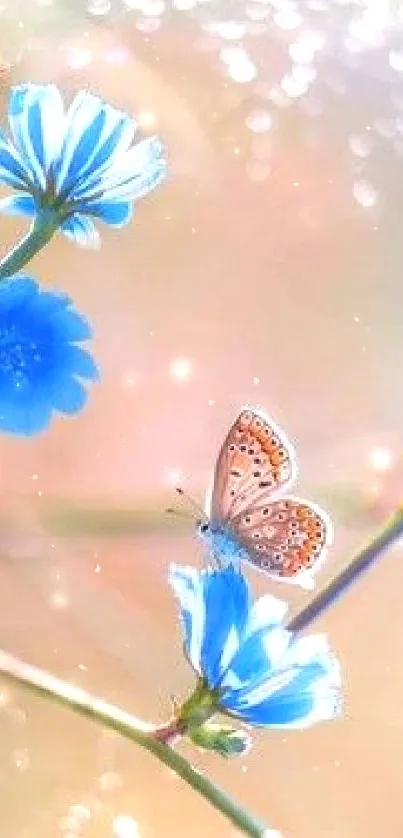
{"x": 224, "y": 740}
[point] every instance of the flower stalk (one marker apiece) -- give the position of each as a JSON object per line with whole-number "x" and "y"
{"x": 145, "y": 735}
{"x": 363, "y": 560}
{"x": 41, "y": 231}
{"x": 158, "y": 740}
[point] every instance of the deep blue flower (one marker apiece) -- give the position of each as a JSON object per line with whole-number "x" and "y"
{"x": 80, "y": 163}
{"x": 41, "y": 361}
{"x": 261, "y": 672}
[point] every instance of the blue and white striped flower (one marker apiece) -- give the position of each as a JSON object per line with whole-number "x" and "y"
{"x": 77, "y": 164}
{"x": 258, "y": 670}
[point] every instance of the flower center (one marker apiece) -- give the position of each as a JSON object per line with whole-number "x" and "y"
{"x": 19, "y": 355}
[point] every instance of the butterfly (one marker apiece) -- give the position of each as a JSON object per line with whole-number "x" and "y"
{"x": 250, "y": 517}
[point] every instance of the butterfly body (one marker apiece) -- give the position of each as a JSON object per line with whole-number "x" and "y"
{"x": 222, "y": 544}
{"x": 249, "y": 515}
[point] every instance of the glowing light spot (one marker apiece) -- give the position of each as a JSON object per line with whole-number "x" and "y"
{"x": 240, "y": 68}
{"x": 99, "y": 7}
{"x": 242, "y": 72}
{"x": 364, "y": 193}
{"x": 125, "y": 827}
{"x": 228, "y": 30}
{"x": 153, "y": 8}
{"x": 59, "y": 599}
{"x": 4, "y": 698}
{"x": 181, "y": 369}
{"x": 294, "y": 86}
{"x": 69, "y": 825}
{"x": 80, "y": 812}
{"x": 368, "y": 29}
{"x": 360, "y": 145}
{"x": 279, "y": 98}
{"x": 211, "y": 402}
{"x": 21, "y": 760}
{"x": 380, "y": 459}
{"x": 301, "y": 52}
{"x": 173, "y": 476}
{"x": 256, "y": 380}
{"x": 147, "y": 120}
{"x": 110, "y": 781}
{"x": 183, "y": 5}
{"x": 79, "y": 58}
{"x": 396, "y": 60}
{"x": 117, "y": 55}
{"x": 148, "y": 24}
{"x": 35, "y": 477}
{"x": 259, "y": 121}
{"x": 287, "y": 17}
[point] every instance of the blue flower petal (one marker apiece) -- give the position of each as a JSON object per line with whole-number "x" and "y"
{"x": 13, "y": 172}
{"x": 69, "y": 398}
{"x": 22, "y": 204}
{"x": 115, "y": 213}
{"x": 226, "y": 598}
{"x": 257, "y": 656}
{"x": 188, "y": 586}
{"x": 95, "y": 133}
{"x": 16, "y": 296}
{"x": 78, "y": 361}
{"x": 81, "y": 230}
{"x": 36, "y": 117}
{"x": 134, "y": 175}
{"x": 281, "y": 714}
{"x": 26, "y": 420}
{"x": 73, "y": 326}
{"x": 39, "y": 366}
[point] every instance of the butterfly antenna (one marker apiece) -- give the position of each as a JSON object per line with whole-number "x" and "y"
{"x": 199, "y": 513}
{"x": 179, "y": 513}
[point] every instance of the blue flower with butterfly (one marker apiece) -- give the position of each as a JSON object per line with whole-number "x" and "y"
{"x": 254, "y": 668}
{"x": 72, "y": 166}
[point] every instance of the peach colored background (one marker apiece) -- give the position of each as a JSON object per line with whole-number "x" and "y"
{"x": 292, "y": 286}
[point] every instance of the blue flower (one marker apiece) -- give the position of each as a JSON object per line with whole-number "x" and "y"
{"x": 41, "y": 361}
{"x": 259, "y": 671}
{"x": 77, "y": 164}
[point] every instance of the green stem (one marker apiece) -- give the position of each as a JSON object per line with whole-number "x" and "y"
{"x": 156, "y": 739}
{"x": 42, "y": 229}
{"x": 361, "y": 563}
{"x": 146, "y": 735}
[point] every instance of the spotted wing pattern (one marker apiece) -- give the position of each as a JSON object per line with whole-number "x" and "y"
{"x": 256, "y": 461}
{"x": 281, "y": 535}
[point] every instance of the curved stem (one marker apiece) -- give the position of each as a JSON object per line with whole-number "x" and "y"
{"x": 339, "y": 585}
{"x": 156, "y": 739}
{"x": 40, "y": 233}
{"x": 146, "y": 735}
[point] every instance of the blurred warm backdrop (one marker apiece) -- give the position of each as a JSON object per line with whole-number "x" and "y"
{"x": 268, "y": 270}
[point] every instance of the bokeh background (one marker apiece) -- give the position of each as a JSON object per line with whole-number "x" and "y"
{"x": 268, "y": 270}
